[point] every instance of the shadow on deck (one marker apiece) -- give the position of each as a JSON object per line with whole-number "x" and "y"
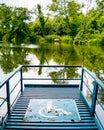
{"x": 15, "y": 120}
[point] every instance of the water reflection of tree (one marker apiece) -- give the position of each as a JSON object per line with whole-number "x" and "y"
{"x": 101, "y": 96}
{"x": 12, "y": 57}
{"x": 65, "y": 73}
{"x": 43, "y": 57}
{"x": 92, "y": 57}
{"x": 65, "y": 54}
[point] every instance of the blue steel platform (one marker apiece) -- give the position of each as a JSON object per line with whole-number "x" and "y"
{"x": 16, "y": 119}
{"x": 58, "y": 83}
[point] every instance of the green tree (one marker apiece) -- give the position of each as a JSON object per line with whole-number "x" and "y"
{"x": 75, "y": 17}
{"x": 94, "y": 25}
{"x": 49, "y": 26}
{"x": 19, "y": 26}
{"x": 59, "y": 26}
{"x": 36, "y": 28}
{"x": 70, "y": 11}
{"x": 100, "y": 6}
{"x": 60, "y": 7}
{"x": 42, "y": 19}
{"x": 5, "y": 18}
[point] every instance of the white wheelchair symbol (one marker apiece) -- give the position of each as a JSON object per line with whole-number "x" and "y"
{"x": 54, "y": 110}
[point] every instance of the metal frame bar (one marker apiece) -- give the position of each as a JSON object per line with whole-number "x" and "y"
{"x": 21, "y": 79}
{"x": 14, "y": 87}
{"x": 8, "y": 97}
{"x": 50, "y": 79}
{"x": 81, "y": 86}
{"x": 8, "y": 93}
{"x": 87, "y": 87}
{"x": 97, "y": 84}
{"x": 94, "y": 98}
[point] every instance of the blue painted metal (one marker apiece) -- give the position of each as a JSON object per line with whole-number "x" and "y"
{"x": 21, "y": 79}
{"x": 51, "y": 85}
{"x": 87, "y": 87}
{"x": 51, "y": 79}
{"x": 8, "y": 98}
{"x": 14, "y": 87}
{"x": 52, "y": 110}
{"x": 16, "y": 121}
{"x": 24, "y": 66}
{"x": 94, "y": 98}
{"x": 10, "y": 76}
{"x": 95, "y": 78}
{"x": 97, "y": 84}
{"x": 81, "y": 86}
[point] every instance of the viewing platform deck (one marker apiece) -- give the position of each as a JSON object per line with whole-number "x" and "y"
{"x": 81, "y": 116}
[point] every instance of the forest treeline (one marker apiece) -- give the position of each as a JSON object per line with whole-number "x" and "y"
{"x": 64, "y": 21}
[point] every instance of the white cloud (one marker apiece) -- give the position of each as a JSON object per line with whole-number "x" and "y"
{"x": 89, "y": 4}
{"x": 30, "y": 4}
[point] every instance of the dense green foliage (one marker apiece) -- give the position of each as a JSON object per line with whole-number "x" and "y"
{"x": 68, "y": 24}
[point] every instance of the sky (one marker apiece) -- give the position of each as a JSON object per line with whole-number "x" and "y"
{"x": 30, "y": 4}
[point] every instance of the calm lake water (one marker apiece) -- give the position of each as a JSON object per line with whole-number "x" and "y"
{"x": 91, "y": 57}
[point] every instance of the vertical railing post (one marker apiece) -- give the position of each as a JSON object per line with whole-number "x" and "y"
{"x": 21, "y": 80}
{"x": 81, "y": 86}
{"x": 8, "y": 97}
{"x": 94, "y": 98}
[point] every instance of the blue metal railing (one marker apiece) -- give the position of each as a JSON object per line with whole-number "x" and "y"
{"x": 93, "y": 89}
{"x": 10, "y": 87}
{"x": 94, "y": 92}
{"x": 57, "y": 77}
{"x": 86, "y": 78}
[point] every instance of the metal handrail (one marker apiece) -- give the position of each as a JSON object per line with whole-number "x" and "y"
{"x": 97, "y": 83}
{"x": 8, "y": 93}
{"x": 95, "y": 78}
{"x": 10, "y": 76}
{"x": 20, "y": 68}
{"x": 51, "y": 66}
